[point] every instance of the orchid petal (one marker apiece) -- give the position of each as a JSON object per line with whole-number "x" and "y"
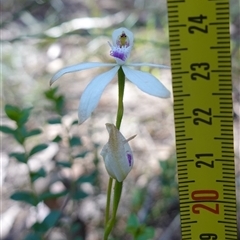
{"x": 146, "y": 82}
{"x": 117, "y": 154}
{"x": 91, "y": 95}
{"x": 79, "y": 67}
{"x": 147, "y": 64}
{"x": 122, "y": 45}
{"x": 118, "y": 32}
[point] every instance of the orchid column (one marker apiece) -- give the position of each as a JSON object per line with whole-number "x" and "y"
{"x": 116, "y": 153}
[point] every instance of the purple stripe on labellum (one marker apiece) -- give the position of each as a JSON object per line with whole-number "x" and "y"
{"x": 129, "y": 156}
{"x": 119, "y": 54}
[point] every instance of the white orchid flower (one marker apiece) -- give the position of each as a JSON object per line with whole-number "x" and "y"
{"x": 117, "y": 154}
{"x": 122, "y": 43}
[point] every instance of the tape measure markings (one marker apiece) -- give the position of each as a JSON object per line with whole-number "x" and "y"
{"x": 202, "y": 201}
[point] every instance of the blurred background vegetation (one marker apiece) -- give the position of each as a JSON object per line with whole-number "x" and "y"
{"x": 53, "y": 180}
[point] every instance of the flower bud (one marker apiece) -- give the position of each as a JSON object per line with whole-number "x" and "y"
{"x": 117, "y": 154}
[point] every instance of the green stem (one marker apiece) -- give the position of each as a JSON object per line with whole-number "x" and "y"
{"x": 108, "y": 201}
{"x": 116, "y": 200}
{"x": 29, "y": 173}
{"x": 121, "y": 84}
{"x": 109, "y": 224}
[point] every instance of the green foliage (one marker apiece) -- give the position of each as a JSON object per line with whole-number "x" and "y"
{"x": 18, "y": 115}
{"x": 138, "y": 196}
{"x": 73, "y": 187}
{"x": 75, "y": 122}
{"x": 33, "y": 236}
{"x": 57, "y": 139}
{"x": 64, "y": 164}
{"x": 49, "y": 195}
{"x": 137, "y": 230}
{"x": 34, "y": 132}
{"x": 57, "y": 100}
{"x": 50, "y": 221}
{"x": 35, "y": 175}
{"x": 39, "y": 229}
{"x": 81, "y": 155}
{"x": 73, "y": 150}
{"x": 20, "y": 134}
{"x": 21, "y": 157}
{"x": 55, "y": 120}
{"x": 168, "y": 178}
{"x": 90, "y": 178}
{"x": 25, "y": 196}
{"x": 6, "y": 129}
{"x": 75, "y": 141}
{"x": 37, "y": 148}
{"x": 79, "y": 194}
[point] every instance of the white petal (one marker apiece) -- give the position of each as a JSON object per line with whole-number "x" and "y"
{"x": 117, "y": 33}
{"x": 148, "y": 64}
{"x": 79, "y": 67}
{"x": 146, "y": 82}
{"x": 91, "y": 95}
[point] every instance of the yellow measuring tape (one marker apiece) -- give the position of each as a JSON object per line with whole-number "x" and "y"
{"x": 202, "y": 88}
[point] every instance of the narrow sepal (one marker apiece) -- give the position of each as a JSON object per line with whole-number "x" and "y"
{"x": 146, "y": 82}
{"x": 93, "y": 92}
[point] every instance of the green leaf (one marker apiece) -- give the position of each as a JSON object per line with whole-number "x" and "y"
{"x": 35, "y": 175}
{"x": 78, "y": 238}
{"x": 55, "y": 121}
{"x": 12, "y": 112}
{"x": 50, "y": 93}
{"x": 81, "y": 155}
{"x": 79, "y": 194}
{"x": 75, "y": 122}
{"x": 148, "y": 233}
{"x": 24, "y": 115}
{"x": 51, "y": 219}
{"x": 76, "y": 228}
{"x": 25, "y": 196}
{"x": 64, "y": 164}
{"x": 49, "y": 222}
{"x": 18, "y": 115}
{"x": 32, "y": 236}
{"x": 140, "y": 231}
{"x": 57, "y": 100}
{"x": 6, "y": 129}
{"x": 38, "y": 148}
{"x": 132, "y": 221}
{"x": 138, "y": 196}
{"x": 38, "y": 228}
{"x": 21, "y": 157}
{"x": 34, "y": 132}
{"x": 60, "y": 105}
{"x": 57, "y": 139}
{"x": 49, "y": 195}
{"x": 163, "y": 165}
{"x": 20, "y": 134}
{"x": 75, "y": 141}
{"x": 90, "y": 178}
